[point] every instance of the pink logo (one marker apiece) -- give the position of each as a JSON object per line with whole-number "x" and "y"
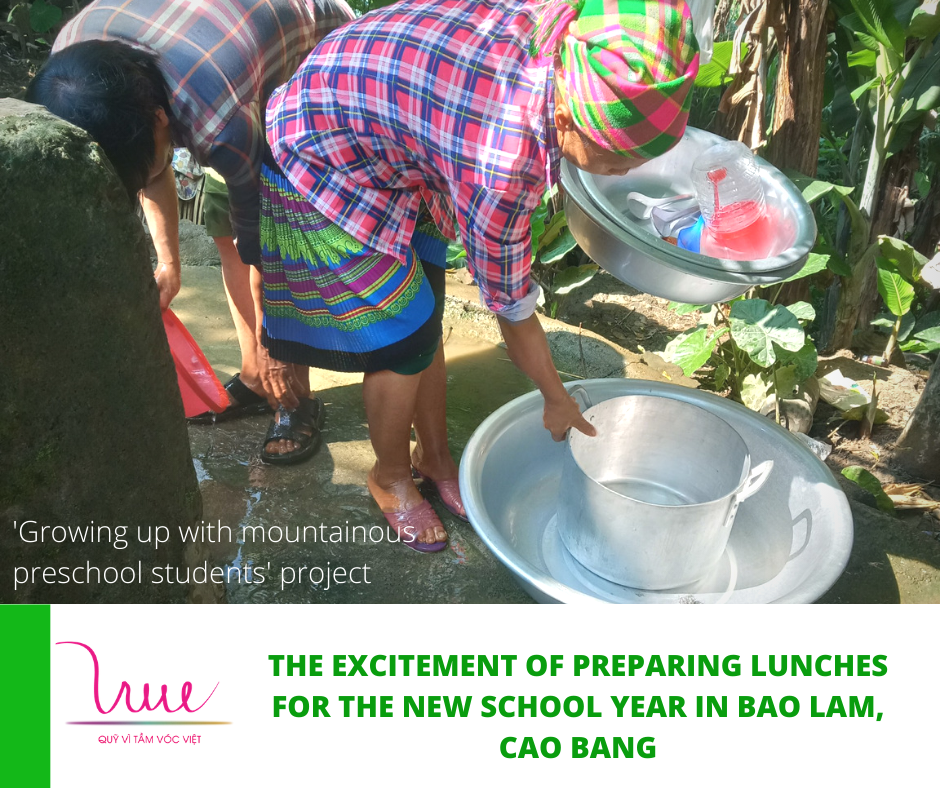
{"x": 125, "y": 690}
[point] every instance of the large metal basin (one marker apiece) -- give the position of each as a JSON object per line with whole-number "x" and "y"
{"x": 790, "y": 543}
{"x": 631, "y": 250}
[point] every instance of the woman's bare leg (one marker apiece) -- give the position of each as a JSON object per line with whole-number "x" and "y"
{"x": 390, "y": 401}
{"x": 235, "y": 277}
{"x": 237, "y": 281}
{"x": 432, "y": 453}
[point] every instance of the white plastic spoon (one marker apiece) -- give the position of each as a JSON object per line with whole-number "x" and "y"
{"x": 642, "y": 206}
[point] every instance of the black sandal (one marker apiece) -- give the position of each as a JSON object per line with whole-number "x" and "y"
{"x": 301, "y": 426}
{"x": 242, "y": 402}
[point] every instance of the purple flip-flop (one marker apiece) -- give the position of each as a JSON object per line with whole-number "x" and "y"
{"x": 411, "y": 524}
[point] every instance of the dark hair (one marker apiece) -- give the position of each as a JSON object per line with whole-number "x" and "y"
{"x": 112, "y": 91}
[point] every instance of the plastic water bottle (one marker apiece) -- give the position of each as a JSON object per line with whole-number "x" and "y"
{"x": 728, "y": 187}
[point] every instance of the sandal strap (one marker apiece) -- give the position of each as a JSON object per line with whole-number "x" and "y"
{"x": 290, "y": 425}
{"x": 240, "y": 394}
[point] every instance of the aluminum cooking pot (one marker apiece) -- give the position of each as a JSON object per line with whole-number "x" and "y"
{"x": 650, "y": 502}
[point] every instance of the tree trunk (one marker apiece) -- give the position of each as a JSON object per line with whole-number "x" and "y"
{"x": 926, "y": 233}
{"x": 801, "y": 37}
{"x": 740, "y": 114}
{"x": 918, "y": 448}
{"x": 794, "y": 142}
{"x": 884, "y": 193}
{"x": 722, "y": 17}
{"x": 896, "y": 184}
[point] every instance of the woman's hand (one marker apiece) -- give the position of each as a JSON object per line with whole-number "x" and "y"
{"x": 562, "y": 414}
{"x": 168, "y": 283}
{"x": 277, "y": 377}
{"x": 158, "y": 199}
{"x": 528, "y": 349}
{"x": 281, "y": 385}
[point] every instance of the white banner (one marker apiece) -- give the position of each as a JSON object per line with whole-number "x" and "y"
{"x": 661, "y": 694}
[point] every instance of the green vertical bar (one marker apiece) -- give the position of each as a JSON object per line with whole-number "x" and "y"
{"x": 25, "y": 667}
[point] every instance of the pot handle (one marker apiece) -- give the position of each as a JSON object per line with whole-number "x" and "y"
{"x": 577, "y": 390}
{"x": 755, "y": 480}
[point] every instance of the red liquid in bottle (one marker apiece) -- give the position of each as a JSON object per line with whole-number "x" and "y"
{"x": 740, "y": 231}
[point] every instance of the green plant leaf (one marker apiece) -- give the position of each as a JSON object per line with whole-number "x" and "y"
{"x": 686, "y": 309}
{"x": 928, "y": 100}
{"x": 843, "y": 112}
{"x": 558, "y": 248}
{"x": 804, "y": 361}
{"x": 877, "y": 17}
{"x": 555, "y": 227}
{"x": 898, "y": 295}
{"x": 928, "y": 320}
{"x": 755, "y": 389}
{"x": 907, "y": 326}
{"x": 802, "y": 311}
{"x": 887, "y": 322}
{"x": 884, "y": 322}
{"x": 690, "y": 350}
{"x": 839, "y": 266}
{"x": 853, "y": 23}
{"x": 923, "y": 183}
{"x": 925, "y": 23}
{"x": 862, "y": 89}
{"x": 722, "y": 373}
{"x": 859, "y": 222}
{"x": 868, "y": 481}
{"x": 813, "y": 189}
{"x": 714, "y": 74}
{"x": 929, "y": 336}
{"x": 43, "y": 16}
{"x": 567, "y": 280}
{"x": 904, "y": 10}
{"x": 908, "y": 115}
{"x": 813, "y": 265}
{"x": 923, "y": 80}
{"x": 864, "y": 58}
{"x": 756, "y": 326}
{"x": 903, "y": 258}
{"x": 456, "y": 255}
{"x": 537, "y": 224}
{"x": 786, "y": 381}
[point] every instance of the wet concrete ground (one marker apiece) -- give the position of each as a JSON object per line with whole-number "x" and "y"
{"x": 324, "y": 504}
{"x": 327, "y": 495}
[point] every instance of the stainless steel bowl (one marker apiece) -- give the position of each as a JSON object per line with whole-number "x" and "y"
{"x": 631, "y": 250}
{"x": 790, "y": 542}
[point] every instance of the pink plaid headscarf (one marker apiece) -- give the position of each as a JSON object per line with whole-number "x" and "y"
{"x": 629, "y": 66}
